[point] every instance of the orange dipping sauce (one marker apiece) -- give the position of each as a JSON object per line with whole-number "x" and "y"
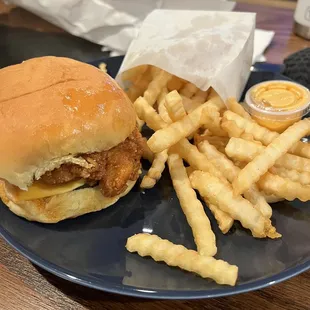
{"x": 276, "y": 105}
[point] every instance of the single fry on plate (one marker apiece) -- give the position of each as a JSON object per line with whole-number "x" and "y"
{"x": 192, "y": 207}
{"x": 178, "y": 256}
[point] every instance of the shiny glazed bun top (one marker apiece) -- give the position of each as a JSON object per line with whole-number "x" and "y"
{"x": 52, "y": 107}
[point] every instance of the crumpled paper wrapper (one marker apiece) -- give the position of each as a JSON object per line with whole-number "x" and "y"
{"x": 209, "y": 49}
{"x": 111, "y": 23}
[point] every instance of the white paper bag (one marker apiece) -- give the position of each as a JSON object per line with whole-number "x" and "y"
{"x": 209, "y": 49}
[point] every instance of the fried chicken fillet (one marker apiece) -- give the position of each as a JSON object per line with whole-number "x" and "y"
{"x": 112, "y": 168}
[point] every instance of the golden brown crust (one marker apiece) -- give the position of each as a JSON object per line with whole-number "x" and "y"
{"x": 60, "y": 207}
{"x": 65, "y": 106}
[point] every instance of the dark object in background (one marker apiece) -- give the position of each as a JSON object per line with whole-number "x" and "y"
{"x": 18, "y": 44}
{"x": 297, "y": 67}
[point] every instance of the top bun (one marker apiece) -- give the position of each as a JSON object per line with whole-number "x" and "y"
{"x": 51, "y": 107}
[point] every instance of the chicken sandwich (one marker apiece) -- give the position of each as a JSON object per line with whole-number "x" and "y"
{"x": 68, "y": 136}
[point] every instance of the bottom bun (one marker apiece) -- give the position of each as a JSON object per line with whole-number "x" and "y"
{"x": 60, "y": 207}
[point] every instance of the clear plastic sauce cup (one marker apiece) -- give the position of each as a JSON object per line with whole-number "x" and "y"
{"x": 277, "y": 104}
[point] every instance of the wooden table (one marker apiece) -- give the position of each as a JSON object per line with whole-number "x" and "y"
{"x": 24, "y": 286}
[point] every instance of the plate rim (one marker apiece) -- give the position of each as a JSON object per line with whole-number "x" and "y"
{"x": 131, "y": 291}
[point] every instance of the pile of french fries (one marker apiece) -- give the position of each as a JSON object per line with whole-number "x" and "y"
{"x": 237, "y": 166}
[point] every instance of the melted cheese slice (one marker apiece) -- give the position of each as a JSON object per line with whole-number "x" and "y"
{"x": 41, "y": 190}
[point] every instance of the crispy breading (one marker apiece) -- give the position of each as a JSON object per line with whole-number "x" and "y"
{"x": 112, "y": 168}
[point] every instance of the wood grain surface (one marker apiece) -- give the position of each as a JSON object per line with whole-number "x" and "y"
{"x": 281, "y": 21}
{"x": 24, "y": 286}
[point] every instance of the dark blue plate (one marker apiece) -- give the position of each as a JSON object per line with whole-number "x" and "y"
{"x": 90, "y": 250}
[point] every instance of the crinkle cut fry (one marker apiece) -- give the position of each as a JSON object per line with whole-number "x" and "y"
{"x": 192, "y": 207}
{"x": 147, "y": 153}
{"x": 201, "y": 96}
{"x": 294, "y": 175}
{"x": 134, "y": 73}
{"x": 154, "y": 173}
{"x": 229, "y": 169}
{"x": 159, "y": 81}
{"x": 139, "y": 85}
{"x": 263, "y": 134}
{"x": 164, "y": 138}
{"x": 188, "y": 90}
{"x": 285, "y": 188}
{"x": 154, "y": 121}
{"x": 162, "y": 110}
{"x": 236, "y": 206}
{"x": 243, "y": 150}
{"x": 175, "y": 83}
{"x": 174, "y": 105}
{"x": 252, "y": 172}
{"x": 237, "y": 108}
{"x": 189, "y": 104}
{"x": 196, "y": 159}
{"x": 148, "y": 114}
{"x": 199, "y": 161}
{"x": 173, "y": 102}
{"x": 215, "y": 101}
{"x": 214, "y": 140}
{"x": 178, "y": 256}
{"x": 153, "y": 90}
{"x": 272, "y": 198}
{"x": 201, "y": 231}
{"x": 214, "y": 123}
{"x": 224, "y": 220}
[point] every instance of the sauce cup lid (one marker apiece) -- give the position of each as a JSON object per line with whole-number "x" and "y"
{"x": 253, "y": 107}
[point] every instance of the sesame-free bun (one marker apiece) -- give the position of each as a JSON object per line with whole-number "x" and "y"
{"x": 60, "y": 207}
{"x": 53, "y": 107}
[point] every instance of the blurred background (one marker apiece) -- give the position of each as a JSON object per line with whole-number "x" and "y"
{"x": 25, "y": 35}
